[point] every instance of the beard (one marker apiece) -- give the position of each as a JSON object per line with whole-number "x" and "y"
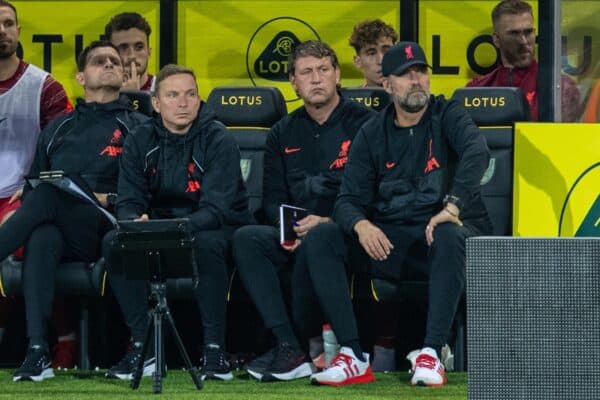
{"x": 7, "y": 50}
{"x": 414, "y": 101}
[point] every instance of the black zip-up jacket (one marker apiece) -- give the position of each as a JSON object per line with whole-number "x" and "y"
{"x": 304, "y": 161}
{"x": 196, "y": 175}
{"x": 88, "y": 141}
{"x": 401, "y": 175}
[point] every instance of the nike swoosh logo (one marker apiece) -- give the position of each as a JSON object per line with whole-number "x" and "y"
{"x": 390, "y": 165}
{"x": 290, "y": 150}
{"x": 3, "y": 119}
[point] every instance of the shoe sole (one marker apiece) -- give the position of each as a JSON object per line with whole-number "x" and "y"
{"x": 350, "y": 381}
{"x": 222, "y": 377}
{"x": 46, "y": 374}
{"x": 148, "y": 371}
{"x": 301, "y": 371}
{"x": 254, "y": 374}
{"x": 422, "y": 383}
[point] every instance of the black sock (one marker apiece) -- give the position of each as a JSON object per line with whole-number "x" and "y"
{"x": 438, "y": 349}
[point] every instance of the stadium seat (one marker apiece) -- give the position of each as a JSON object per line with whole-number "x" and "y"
{"x": 141, "y": 100}
{"x": 372, "y": 97}
{"x": 248, "y": 113}
{"x": 494, "y": 110}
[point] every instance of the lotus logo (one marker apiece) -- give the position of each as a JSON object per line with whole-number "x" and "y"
{"x": 582, "y": 203}
{"x": 269, "y": 49}
{"x": 272, "y": 63}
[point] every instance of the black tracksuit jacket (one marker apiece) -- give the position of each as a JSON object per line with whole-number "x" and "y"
{"x": 88, "y": 141}
{"x": 401, "y": 175}
{"x": 196, "y": 175}
{"x": 304, "y": 161}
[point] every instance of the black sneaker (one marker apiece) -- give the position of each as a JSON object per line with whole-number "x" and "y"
{"x": 289, "y": 363}
{"x": 36, "y": 367}
{"x": 124, "y": 368}
{"x": 257, "y": 367}
{"x": 214, "y": 364}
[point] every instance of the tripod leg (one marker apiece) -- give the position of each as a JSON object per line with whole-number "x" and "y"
{"x": 194, "y": 373}
{"x": 136, "y": 376}
{"x": 158, "y": 351}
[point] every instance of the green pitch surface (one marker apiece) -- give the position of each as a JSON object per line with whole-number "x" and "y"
{"x": 178, "y": 385}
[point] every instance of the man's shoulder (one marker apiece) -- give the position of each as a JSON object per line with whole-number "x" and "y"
{"x": 484, "y": 80}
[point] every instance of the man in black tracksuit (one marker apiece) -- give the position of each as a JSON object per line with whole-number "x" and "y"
{"x": 181, "y": 164}
{"x": 55, "y": 225}
{"x": 304, "y": 159}
{"x": 412, "y": 178}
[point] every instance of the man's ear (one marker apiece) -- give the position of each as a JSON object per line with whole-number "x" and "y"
{"x": 358, "y": 62}
{"x": 155, "y": 103}
{"x": 79, "y": 77}
{"x": 496, "y": 40}
{"x": 387, "y": 85}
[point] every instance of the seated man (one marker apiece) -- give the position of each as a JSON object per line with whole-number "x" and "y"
{"x": 181, "y": 164}
{"x": 304, "y": 159}
{"x": 371, "y": 40}
{"x": 412, "y": 178}
{"x": 55, "y": 225}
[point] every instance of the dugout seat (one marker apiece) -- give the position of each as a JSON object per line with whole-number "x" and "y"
{"x": 372, "y": 97}
{"x": 141, "y": 100}
{"x": 494, "y": 110}
{"x": 248, "y": 112}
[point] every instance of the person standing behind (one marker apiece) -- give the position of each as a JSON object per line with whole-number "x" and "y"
{"x": 130, "y": 33}
{"x": 29, "y": 99}
{"x": 514, "y": 37}
{"x": 55, "y": 225}
{"x": 181, "y": 164}
{"x": 305, "y": 155}
{"x": 371, "y": 39}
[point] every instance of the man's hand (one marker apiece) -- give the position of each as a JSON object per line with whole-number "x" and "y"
{"x": 18, "y": 194}
{"x": 143, "y": 217}
{"x": 132, "y": 79}
{"x": 373, "y": 240}
{"x": 307, "y": 223}
{"x": 450, "y": 213}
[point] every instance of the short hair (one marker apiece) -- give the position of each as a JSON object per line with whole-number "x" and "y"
{"x": 126, "y": 21}
{"x": 4, "y": 3}
{"x": 82, "y": 60}
{"x": 314, "y": 48}
{"x": 367, "y": 32}
{"x": 510, "y": 7}
{"x": 170, "y": 70}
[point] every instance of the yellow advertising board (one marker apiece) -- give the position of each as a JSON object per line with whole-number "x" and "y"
{"x": 237, "y": 42}
{"x": 54, "y": 32}
{"x": 556, "y": 180}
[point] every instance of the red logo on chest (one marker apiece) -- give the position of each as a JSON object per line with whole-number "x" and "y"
{"x": 342, "y": 159}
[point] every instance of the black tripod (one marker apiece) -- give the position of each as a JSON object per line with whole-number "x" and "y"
{"x": 158, "y": 292}
{"x": 154, "y": 251}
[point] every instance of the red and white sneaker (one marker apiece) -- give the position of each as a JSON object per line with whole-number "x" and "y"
{"x": 429, "y": 371}
{"x": 345, "y": 369}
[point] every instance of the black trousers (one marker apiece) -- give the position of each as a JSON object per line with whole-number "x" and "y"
{"x": 211, "y": 253}
{"x": 54, "y": 226}
{"x": 260, "y": 259}
{"x": 330, "y": 249}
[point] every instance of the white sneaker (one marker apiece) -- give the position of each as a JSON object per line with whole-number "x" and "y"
{"x": 345, "y": 369}
{"x": 447, "y": 359}
{"x": 429, "y": 370}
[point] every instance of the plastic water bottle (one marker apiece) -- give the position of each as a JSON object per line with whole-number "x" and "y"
{"x": 330, "y": 344}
